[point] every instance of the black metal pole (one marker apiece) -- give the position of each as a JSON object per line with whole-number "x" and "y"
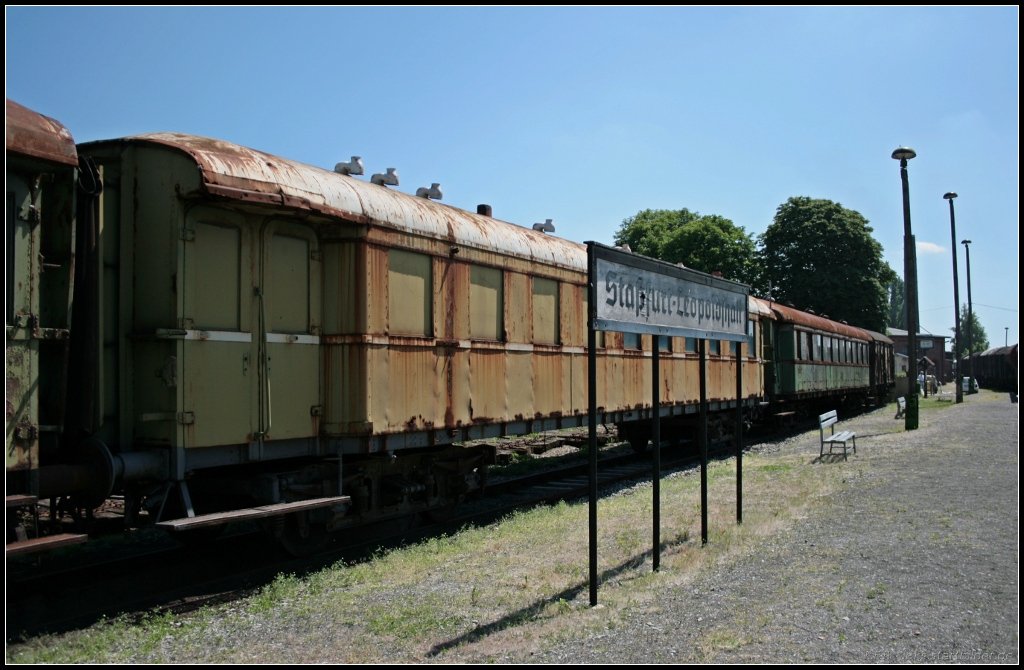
{"x": 592, "y": 404}
{"x": 970, "y": 321}
{"x": 910, "y": 280}
{"x": 703, "y": 437}
{"x": 656, "y": 445}
{"x": 957, "y": 341}
{"x": 739, "y": 432}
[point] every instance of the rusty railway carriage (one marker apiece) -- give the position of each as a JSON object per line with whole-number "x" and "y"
{"x": 42, "y": 169}
{"x": 255, "y": 338}
{"x": 994, "y": 368}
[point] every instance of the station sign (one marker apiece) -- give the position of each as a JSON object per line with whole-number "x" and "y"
{"x": 636, "y": 294}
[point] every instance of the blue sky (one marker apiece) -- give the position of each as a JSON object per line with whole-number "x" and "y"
{"x": 587, "y": 116}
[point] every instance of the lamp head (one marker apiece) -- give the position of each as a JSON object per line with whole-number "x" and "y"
{"x": 903, "y": 153}
{"x": 949, "y": 196}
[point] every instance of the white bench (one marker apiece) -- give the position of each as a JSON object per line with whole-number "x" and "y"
{"x": 901, "y": 407}
{"x": 830, "y": 419}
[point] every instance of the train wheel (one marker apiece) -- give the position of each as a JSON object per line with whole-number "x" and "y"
{"x": 301, "y": 536}
{"x": 197, "y": 537}
{"x": 441, "y": 514}
{"x": 639, "y": 440}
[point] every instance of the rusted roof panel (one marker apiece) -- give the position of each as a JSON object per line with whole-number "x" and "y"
{"x": 32, "y": 134}
{"x": 877, "y": 336}
{"x": 791, "y": 315}
{"x": 760, "y": 307}
{"x": 238, "y": 172}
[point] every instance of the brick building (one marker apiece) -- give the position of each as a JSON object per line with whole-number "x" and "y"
{"x": 933, "y": 347}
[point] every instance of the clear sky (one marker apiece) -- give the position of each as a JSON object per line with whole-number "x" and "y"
{"x": 586, "y": 116}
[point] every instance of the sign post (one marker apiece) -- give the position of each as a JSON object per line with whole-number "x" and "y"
{"x": 636, "y": 294}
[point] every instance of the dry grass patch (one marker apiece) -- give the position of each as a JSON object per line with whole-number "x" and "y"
{"x": 484, "y": 593}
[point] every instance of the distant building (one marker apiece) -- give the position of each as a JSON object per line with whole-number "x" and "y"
{"x": 932, "y": 347}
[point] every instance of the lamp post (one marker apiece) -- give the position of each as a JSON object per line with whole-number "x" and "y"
{"x": 903, "y": 154}
{"x": 956, "y": 297}
{"x": 970, "y": 320}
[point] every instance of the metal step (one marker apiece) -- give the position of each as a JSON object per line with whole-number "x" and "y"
{"x": 262, "y": 512}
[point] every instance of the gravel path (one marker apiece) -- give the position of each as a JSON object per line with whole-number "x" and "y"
{"x": 912, "y": 561}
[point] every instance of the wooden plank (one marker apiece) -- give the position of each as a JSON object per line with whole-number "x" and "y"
{"x": 20, "y": 500}
{"x": 44, "y": 543}
{"x": 262, "y": 512}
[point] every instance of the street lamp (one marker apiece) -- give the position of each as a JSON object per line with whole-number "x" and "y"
{"x": 904, "y": 154}
{"x": 956, "y": 298}
{"x": 970, "y": 319}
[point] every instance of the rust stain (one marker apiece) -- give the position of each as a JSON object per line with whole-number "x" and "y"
{"x": 32, "y": 134}
{"x": 790, "y": 315}
{"x": 232, "y": 171}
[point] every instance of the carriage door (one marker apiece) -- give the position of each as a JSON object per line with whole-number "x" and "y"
{"x": 289, "y": 303}
{"x": 216, "y": 322}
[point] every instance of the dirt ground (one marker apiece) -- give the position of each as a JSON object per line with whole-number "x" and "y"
{"x": 914, "y": 560}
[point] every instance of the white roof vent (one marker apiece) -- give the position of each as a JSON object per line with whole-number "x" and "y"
{"x": 432, "y": 193}
{"x": 389, "y": 179}
{"x": 354, "y": 166}
{"x": 546, "y": 227}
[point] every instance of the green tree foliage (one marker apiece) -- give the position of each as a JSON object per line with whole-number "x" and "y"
{"x": 897, "y": 303}
{"x": 972, "y": 329}
{"x": 820, "y": 256}
{"x": 707, "y": 243}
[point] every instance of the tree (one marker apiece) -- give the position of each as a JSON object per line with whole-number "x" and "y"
{"x": 708, "y": 243}
{"x": 897, "y": 303}
{"x": 973, "y": 332}
{"x": 820, "y": 256}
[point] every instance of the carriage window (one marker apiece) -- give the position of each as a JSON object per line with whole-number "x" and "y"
{"x": 545, "y": 311}
{"x": 714, "y": 347}
{"x": 664, "y": 342}
{"x": 410, "y": 297}
{"x": 486, "y": 303}
{"x": 288, "y": 283}
{"x": 733, "y": 347}
{"x": 631, "y": 341}
{"x": 217, "y": 262}
{"x": 690, "y": 345}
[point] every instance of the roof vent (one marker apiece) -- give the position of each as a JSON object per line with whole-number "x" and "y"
{"x": 546, "y": 227}
{"x": 354, "y": 166}
{"x": 484, "y": 210}
{"x": 432, "y": 193}
{"x": 389, "y": 179}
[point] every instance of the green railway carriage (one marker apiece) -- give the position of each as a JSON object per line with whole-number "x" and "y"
{"x": 41, "y": 177}
{"x": 42, "y": 167}
{"x": 817, "y": 358}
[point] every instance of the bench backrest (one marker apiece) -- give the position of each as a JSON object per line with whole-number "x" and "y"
{"x": 828, "y": 418}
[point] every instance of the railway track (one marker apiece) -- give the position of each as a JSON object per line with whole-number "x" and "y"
{"x": 147, "y": 570}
